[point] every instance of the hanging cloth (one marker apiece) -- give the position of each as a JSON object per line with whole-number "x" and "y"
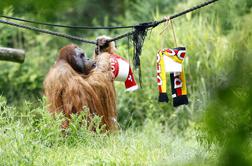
{"x": 171, "y": 61}
{"x": 123, "y": 72}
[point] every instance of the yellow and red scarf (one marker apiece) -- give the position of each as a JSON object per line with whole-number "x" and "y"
{"x": 171, "y": 60}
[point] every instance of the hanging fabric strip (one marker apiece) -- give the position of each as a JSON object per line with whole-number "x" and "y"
{"x": 161, "y": 77}
{"x": 171, "y": 60}
{"x": 122, "y": 72}
{"x": 178, "y": 88}
{"x": 138, "y": 41}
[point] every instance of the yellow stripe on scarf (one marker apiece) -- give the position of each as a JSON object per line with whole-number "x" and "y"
{"x": 182, "y": 77}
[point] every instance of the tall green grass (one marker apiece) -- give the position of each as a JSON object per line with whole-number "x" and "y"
{"x": 35, "y": 138}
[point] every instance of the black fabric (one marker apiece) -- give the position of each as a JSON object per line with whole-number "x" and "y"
{"x": 173, "y": 90}
{"x": 180, "y": 100}
{"x": 138, "y": 40}
{"x": 163, "y": 97}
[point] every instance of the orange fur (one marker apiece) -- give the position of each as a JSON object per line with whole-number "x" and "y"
{"x": 68, "y": 91}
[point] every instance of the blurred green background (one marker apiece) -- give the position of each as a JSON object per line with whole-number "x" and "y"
{"x": 218, "y": 70}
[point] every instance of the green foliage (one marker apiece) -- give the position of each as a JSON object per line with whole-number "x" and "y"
{"x": 47, "y": 10}
{"x": 228, "y": 116}
{"x": 34, "y": 138}
{"x": 24, "y": 135}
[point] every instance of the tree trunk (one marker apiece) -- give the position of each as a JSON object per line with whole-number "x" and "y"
{"x": 10, "y": 54}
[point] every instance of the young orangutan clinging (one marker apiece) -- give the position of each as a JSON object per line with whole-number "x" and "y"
{"x": 120, "y": 67}
{"x": 75, "y": 81}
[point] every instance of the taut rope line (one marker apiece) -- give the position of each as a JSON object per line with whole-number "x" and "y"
{"x": 145, "y": 25}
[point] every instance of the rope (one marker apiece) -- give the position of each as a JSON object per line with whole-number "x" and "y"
{"x": 173, "y": 33}
{"x": 155, "y": 23}
{"x": 66, "y": 26}
{"x": 188, "y": 10}
{"x": 122, "y": 36}
{"x": 48, "y": 32}
{"x": 139, "y": 32}
{"x": 108, "y": 27}
{"x": 145, "y": 25}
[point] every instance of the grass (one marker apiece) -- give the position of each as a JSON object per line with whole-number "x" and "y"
{"x": 34, "y": 138}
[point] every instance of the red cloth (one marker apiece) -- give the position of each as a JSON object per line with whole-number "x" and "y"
{"x": 122, "y": 72}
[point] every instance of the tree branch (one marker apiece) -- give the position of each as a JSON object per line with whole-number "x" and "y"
{"x": 10, "y": 54}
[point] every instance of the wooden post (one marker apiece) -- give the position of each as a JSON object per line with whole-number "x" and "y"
{"x": 13, "y": 55}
